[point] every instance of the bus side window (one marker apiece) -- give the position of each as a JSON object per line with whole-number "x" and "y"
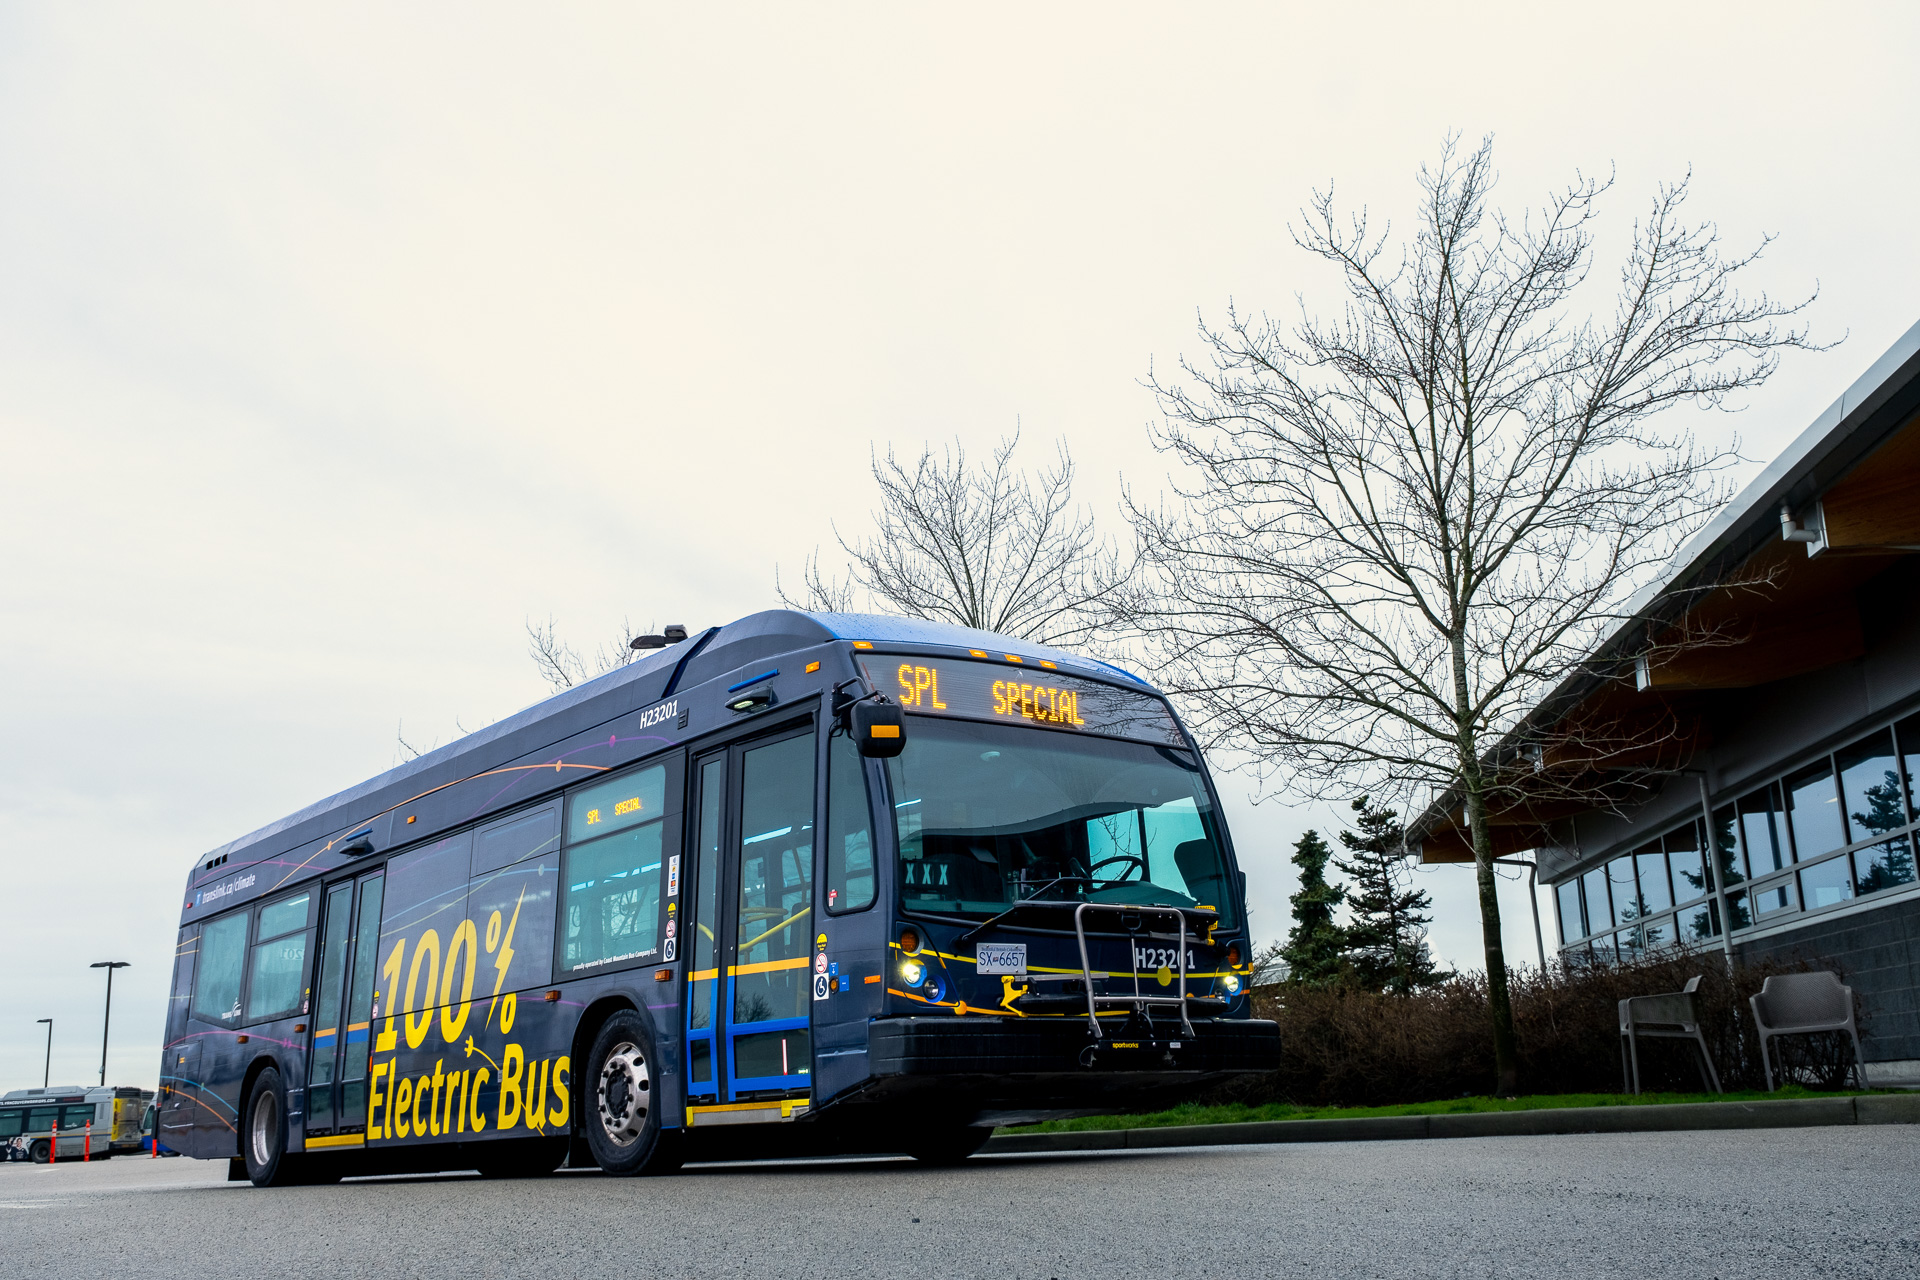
{"x": 613, "y": 880}
{"x": 850, "y": 878}
{"x": 222, "y": 957}
{"x": 280, "y": 958}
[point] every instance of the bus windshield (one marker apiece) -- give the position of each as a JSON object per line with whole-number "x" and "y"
{"x": 988, "y": 815}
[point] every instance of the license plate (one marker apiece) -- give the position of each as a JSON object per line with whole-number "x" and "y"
{"x": 1005, "y": 958}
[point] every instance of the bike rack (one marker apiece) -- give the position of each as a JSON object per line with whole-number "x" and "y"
{"x": 1137, "y": 1001}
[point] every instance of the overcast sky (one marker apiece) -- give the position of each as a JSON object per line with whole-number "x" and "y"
{"x": 333, "y": 350}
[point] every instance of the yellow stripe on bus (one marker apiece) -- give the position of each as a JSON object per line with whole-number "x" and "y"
{"x": 337, "y": 1140}
{"x": 767, "y": 966}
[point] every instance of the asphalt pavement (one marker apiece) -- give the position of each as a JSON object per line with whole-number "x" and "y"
{"x": 1771, "y": 1203}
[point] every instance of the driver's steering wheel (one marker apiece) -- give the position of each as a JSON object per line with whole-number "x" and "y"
{"x": 1127, "y": 858}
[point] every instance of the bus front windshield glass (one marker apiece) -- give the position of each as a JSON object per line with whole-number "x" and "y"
{"x": 988, "y": 815}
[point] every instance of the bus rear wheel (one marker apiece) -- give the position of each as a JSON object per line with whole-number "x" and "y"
{"x": 620, "y": 1112}
{"x": 263, "y": 1135}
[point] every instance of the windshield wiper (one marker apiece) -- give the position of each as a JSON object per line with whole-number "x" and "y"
{"x": 991, "y": 921}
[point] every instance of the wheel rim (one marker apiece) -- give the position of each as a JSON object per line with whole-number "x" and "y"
{"x": 624, "y": 1087}
{"x": 265, "y": 1129}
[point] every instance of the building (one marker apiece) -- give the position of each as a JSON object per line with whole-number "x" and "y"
{"x": 1767, "y": 700}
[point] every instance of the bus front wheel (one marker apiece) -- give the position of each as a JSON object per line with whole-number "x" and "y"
{"x": 263, "y": 1136}
{"x": 41, "y": 1151}
{"x": 620, "y": 1111}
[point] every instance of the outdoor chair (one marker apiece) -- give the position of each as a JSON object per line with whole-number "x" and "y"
{"x": 1804, "y": 1004}
{"x": 1669, "y": 1017}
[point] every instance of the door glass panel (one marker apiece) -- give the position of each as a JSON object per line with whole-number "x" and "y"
{"x": 703, "y": 973}
{"x": 356, "y": 1048}
{"x": 326, "y": 1010}
{"x": 776, "y": 883}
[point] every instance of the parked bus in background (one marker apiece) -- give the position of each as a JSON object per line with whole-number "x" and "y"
{"x": 92, "y": 1121}
{"x": 803, "y": 883}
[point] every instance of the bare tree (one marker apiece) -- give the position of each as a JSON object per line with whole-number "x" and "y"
{"x": 991, "y": 547}
{"x": 1406, "y": 524}
{"x": 562, "y": 666}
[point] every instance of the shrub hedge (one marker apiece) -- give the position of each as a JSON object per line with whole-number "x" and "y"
{"x": 1341, "y": 1046}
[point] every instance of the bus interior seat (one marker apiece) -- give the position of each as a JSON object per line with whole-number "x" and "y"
{"x": 1199, "y": 866}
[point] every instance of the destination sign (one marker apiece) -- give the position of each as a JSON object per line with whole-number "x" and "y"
{"x": 1045, "y": 697}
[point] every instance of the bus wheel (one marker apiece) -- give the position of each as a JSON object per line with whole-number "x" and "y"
{"x": 42, "y": 1151}
{"x": 619, "y": 1111}
{"x": 263, "y": 1135}
{"x": 947, "y": 1146}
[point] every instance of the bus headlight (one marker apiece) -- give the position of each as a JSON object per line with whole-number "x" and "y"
{"x": 1232, "y": 983}
{"x": 936, "y": 988}
{"x": 913, "y": 972}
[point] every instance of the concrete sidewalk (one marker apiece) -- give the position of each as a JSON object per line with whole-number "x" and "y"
{"x": 1790, "y": 1113}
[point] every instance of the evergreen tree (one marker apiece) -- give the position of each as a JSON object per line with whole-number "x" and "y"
{"x": 1316, "y": 946}
{"x": 1386, "y": 943}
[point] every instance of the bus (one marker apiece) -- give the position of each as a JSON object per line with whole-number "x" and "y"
{"x": 28, "y": 1120}
{"x": 804, "y": 883}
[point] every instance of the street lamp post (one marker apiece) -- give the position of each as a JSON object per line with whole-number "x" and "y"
{"x": 107, "y": 1023}
{"x": 47, "y": 1072}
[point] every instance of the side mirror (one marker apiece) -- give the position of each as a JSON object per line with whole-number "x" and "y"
{"x": 878, "y": 728}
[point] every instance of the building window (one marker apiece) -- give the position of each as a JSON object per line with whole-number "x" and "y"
{"x": 1762, "y": 839}
{"x": 1572, "y": 925}
{"x": 1826, "y": 883}
{"x": 1885, "y": 865}
{"x": 1599, "y": 913}
{"x": 1690, "y": 880}
{"x": 1627, "y": 906}
{"x": 1814, "y": 803}
{"x": 1870, "y": 786}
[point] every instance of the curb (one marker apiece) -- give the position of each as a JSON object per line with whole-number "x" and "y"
{"x": 1788, "y": 1113}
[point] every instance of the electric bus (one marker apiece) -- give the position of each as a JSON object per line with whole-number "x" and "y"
{"x": 805, "y": 883}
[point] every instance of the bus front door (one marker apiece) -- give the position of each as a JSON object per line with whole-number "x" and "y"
{"x": 337, "y": 1070}
{"x": 751, "y": 934}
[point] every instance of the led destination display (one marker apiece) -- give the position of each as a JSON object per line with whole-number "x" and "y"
{"x": 1029, "y": 694}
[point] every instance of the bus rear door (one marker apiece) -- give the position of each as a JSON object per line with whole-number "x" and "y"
{"x": 343, "y": 1014}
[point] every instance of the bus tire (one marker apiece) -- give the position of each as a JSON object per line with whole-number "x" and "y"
{"x": 263, "y": 1133}
{"x": 948, "y": 1146}
{"x": 41, "y": 1151}
{"x": 618, "y": 1109}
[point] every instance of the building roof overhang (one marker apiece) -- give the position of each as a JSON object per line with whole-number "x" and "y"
{"x": 1765, "y": 591}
